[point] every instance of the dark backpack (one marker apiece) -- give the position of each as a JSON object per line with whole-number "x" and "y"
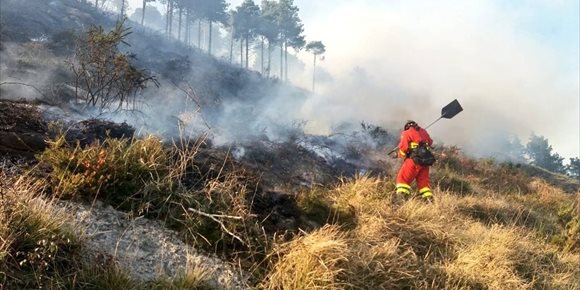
{"x": 422, "y": 155}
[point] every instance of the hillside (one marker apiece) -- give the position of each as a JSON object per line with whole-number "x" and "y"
{"x": 208, "y": 186}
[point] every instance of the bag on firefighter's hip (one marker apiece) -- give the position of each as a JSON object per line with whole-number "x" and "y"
{"x": 422, "y": 155}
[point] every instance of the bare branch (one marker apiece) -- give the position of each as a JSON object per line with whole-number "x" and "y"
{"x": 215, "y": 219}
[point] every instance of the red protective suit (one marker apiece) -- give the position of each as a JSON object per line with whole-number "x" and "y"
{"x": 410, "y": 171}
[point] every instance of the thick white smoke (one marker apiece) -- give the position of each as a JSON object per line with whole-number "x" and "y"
{"x": 514, "y": 66}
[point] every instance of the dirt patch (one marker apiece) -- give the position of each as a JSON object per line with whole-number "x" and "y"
{"x": 22, "y": 129}
{"x": 144, "y": 248}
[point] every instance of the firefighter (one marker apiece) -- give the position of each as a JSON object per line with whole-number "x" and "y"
{"x": 415, "y": 148}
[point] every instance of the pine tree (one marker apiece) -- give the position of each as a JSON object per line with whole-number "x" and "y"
{"x": 539, "y": 152}
{"x": 316, "y": 48}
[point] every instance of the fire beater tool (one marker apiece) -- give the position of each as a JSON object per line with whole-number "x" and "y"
{"x": 448, "y": 112}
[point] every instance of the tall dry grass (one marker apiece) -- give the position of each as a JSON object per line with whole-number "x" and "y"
{"x": 483, "y": 241}
{"x": 35, "y": 240}
{"x": 309, "y": 261}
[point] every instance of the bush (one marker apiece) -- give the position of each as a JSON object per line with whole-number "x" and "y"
{"x": 106, "y": 77}
{"x": 114, "y": 170}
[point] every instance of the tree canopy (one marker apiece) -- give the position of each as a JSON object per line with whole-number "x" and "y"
{"x": 540, "y": 153}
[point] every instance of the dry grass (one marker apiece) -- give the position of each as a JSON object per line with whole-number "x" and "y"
{"x": 492, "y": 236}
{"x": 309, "y": 261}
{"x": 38, "y": 249}
{"x": 484, "y": 241}
{"x": 195, "y": 278}
{"x": 506, "y": 257}
{"x": 35, "y": 241}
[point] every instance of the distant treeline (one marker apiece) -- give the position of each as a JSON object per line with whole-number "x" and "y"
{"x": 539, "y": 152}
{"x": 264, "y": 28}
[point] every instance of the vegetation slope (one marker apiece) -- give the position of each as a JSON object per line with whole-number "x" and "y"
{"x": 491, "y": 226}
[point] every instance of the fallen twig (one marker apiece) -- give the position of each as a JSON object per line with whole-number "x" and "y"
{"x": 215, "y": 217}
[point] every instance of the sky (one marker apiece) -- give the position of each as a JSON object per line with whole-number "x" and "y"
{"x": 514, "y": 66}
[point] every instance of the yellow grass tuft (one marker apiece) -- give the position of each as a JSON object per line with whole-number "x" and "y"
{"x": 309, "y": 261}
{"x": 36, "y": 241}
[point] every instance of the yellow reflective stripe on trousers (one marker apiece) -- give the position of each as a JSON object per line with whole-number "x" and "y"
{"x": 426, "y": 192}
{"x": 403, "y": 188}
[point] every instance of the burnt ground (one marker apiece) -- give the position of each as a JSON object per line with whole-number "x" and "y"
{"x": 274, "y": 172}
{"x": 22, "y": 130}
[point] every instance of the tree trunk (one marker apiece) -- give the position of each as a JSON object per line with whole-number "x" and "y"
{"x": 270, "y": 48}
{"x": 199, "y": 33}
{"x": 241, "y": 52}
{"x": 286, "y": 61}
{"x": 262, "y": 57}
{"x": 167, "y": 18}
{"x": 187, "y": 20}
{"x": 209, "y": 44}
{"x": 143, "y": 12}
{"x": 96, "y": 3}
{"x": 179, "y": 26}
{"x": 122, "y": 9}
{"x": 170, "y": 17}
{"x": 232, "y": 47}
{"x": 282, "y": 59}
{"x": 314, "y": 75}
{"x": 247, "y": 52}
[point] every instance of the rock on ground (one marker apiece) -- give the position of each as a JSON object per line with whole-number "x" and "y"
{"x": 144, "y": 248}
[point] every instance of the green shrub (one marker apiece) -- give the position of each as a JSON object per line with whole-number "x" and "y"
{"x": 113, "y": 170}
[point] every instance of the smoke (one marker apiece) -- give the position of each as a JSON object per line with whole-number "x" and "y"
{"x": 27, "y": 71}
{"x": 389, "y": 61}
{"x": 513, "y": 66}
